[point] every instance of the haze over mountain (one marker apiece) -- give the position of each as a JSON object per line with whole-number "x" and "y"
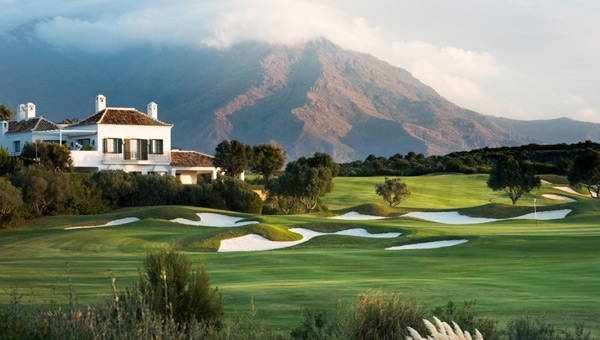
{"x": 309, "y": 97}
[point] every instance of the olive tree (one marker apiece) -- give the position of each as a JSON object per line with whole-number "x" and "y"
{"x": 513, "y": 177}
{"x": 393, "y": 191}
{"x": 10, "y": 198}
{"x": 234, "y": 157}
{"x": 269, "y": 159}
{"x": 586, "y": 171}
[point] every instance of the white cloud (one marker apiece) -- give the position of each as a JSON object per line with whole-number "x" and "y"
{"x": 574, "y": 99}
{"x": 588, "y": 114}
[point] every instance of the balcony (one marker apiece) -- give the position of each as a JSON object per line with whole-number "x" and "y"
{"x": 95, "y": 159}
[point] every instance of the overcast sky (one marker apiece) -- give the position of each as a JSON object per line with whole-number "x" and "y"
{"x": 524, "y": 59}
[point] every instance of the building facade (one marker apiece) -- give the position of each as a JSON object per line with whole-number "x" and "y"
{"x": 110, "y": 139}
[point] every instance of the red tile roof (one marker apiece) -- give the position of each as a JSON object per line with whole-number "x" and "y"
{"x": 32, "y": 124}
{"x": 191, "y": 159}
{"x": 120, "y": 116}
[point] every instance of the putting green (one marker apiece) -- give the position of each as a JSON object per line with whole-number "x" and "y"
{"x": 513, "y": 267}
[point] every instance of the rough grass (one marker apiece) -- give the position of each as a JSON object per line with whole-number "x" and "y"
{"x": 514, "y": 267}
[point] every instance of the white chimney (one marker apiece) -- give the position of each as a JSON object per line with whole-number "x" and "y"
{"x": 21, "y": 112}
{"x": 100, "y": 103}
{"x": 153, "y": 110}
{"x": 30, "y": 111}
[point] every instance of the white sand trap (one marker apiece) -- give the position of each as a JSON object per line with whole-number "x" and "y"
{"x": 429, "y": 245}
{"x": 545, "y": 182}
{"x": 453, "y": 217}
{"x": 559, "y": 197}
{"x": 353, "y": 215}
{"x": 571, "y": 191}
{"x": 215, "y": 220}
{"x": 109, "y": 224}
{"x": 254, "y": 242}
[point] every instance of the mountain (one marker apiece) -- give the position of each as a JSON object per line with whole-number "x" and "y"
{"x": 553, "y": 131}
{"x": 309, "y": 97}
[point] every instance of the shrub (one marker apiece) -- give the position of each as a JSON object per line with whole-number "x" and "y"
{"x": 175, "y": 291}
{"x": 238, "y": 195}
{"x": 468, "y": 318}
{"x": 384, "y": 315}
{"x": 313, "y": 327}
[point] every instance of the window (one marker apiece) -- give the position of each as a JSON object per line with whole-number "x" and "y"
{"x": 136, "y": 149}
{"x": 112, "y": 145}
{"x": 156, "y": 146}
{"x": 17, "y": 146}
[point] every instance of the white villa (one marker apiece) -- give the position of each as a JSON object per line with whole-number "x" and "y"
{"x": 112, "y": 138}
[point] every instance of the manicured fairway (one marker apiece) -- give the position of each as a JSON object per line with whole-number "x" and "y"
{"x": 546, "y": 268}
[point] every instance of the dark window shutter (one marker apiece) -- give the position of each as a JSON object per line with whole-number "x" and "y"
{"x": 105, "y": 145}
{"x": 127, "y": 148}
{"x": 144, "y": 147}
{"x": 119, "y": 145}
{"x": 150, "y": 146}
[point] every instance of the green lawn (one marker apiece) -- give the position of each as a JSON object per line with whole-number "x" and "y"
{"x": 547, "y": 268}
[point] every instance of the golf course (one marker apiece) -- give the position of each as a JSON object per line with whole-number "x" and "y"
{"x": 512, "y": 267}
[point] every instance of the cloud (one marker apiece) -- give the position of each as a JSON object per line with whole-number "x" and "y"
{"x": 588, "y": 114}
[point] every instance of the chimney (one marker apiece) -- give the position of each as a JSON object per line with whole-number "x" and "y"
{"x": 29, "y": 111}
{"x": 153, "y": 110}
{"x": 100, "y": 103}
{"x": 21, "y": 112}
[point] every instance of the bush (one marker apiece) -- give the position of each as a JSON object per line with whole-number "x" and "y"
{"x": 383, "y": 315}
{"x": 468, "y": 318}
{"x": 313, "y": 327}
{"x": 177, "y": 292}
{"x": 531, "y": 328}
{"x": 238, "y": 195}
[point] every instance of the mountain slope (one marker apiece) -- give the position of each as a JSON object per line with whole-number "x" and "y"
{"x": 310, "y": 97}
{"x": 553, "y": 131}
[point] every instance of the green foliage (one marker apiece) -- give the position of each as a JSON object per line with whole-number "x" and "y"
{"x": 115, "y": 185}
{"x": 234, "y": 157}
{"x": 5, "y": 161}
{"x": 513, "y": 177}
{"x": 153, "y": 189}
{"x": 468, "y": 319}
{"x": 392, "y": 191}
{"x": 47, "y": 192}
{"x": 385, "y": 315}
{"x": 313, "y": 327}
{"x": 177, "y": 292}
{"x": 586, "y": 172}
{"x": 238, "y": 195}
{"x": 50, "y": 155}
{"x": 11, "y": 199}
{"x": 532, "y": 328}
{"x": 269, "y": 159}
{"x": 6, "y": 113}
{"x": 87, "y": 199}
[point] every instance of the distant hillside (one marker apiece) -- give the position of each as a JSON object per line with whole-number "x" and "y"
{"x": 561, "y": 130}
{"x": 310, "y": 97}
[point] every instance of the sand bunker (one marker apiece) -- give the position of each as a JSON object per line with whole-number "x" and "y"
{"x": 109, "y": 224}
{"x": 429, "y": 245}
{"x": 353, "y": 215}
{"x": 558, "y": 197}
{"x": 253, "y": 242}
{"x": 571, "y": 191}
{"x": 215, "y": 220}
{"x": 453, "y": 217}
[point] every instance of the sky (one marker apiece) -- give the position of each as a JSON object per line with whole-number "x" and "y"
{"x": 520, "y": 59}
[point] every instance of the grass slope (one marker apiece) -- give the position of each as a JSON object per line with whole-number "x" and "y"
{"x": 547, "y": 268}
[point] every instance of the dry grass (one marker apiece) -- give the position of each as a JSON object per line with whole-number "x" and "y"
{"x": 443, "y": 331}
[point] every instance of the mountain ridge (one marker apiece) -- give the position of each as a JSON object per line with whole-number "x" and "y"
{"x": 309, "y": 97}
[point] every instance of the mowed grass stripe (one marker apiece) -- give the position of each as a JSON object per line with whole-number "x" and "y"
{"x": 512, "y": 267}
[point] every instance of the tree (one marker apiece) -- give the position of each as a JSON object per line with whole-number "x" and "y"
{"x": 312, "y": 184}
{"x": 513, "y": 177}
{"x": 51, "y": 155}
{"x": 283, "y": 191}
{"x": 115, "y": 185}
{"x": 10, "y": 198}
{"x": 175, "y": 291}
{"x": 233, "y": 157}
{"x": 586, "y": 172}
{"x": 5, "y": 161}
{"x": 45, "y": 191}
{"x": 392, "y": 191}
{"x": 6, "y": 113}
{"x": 269, "y": 159}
